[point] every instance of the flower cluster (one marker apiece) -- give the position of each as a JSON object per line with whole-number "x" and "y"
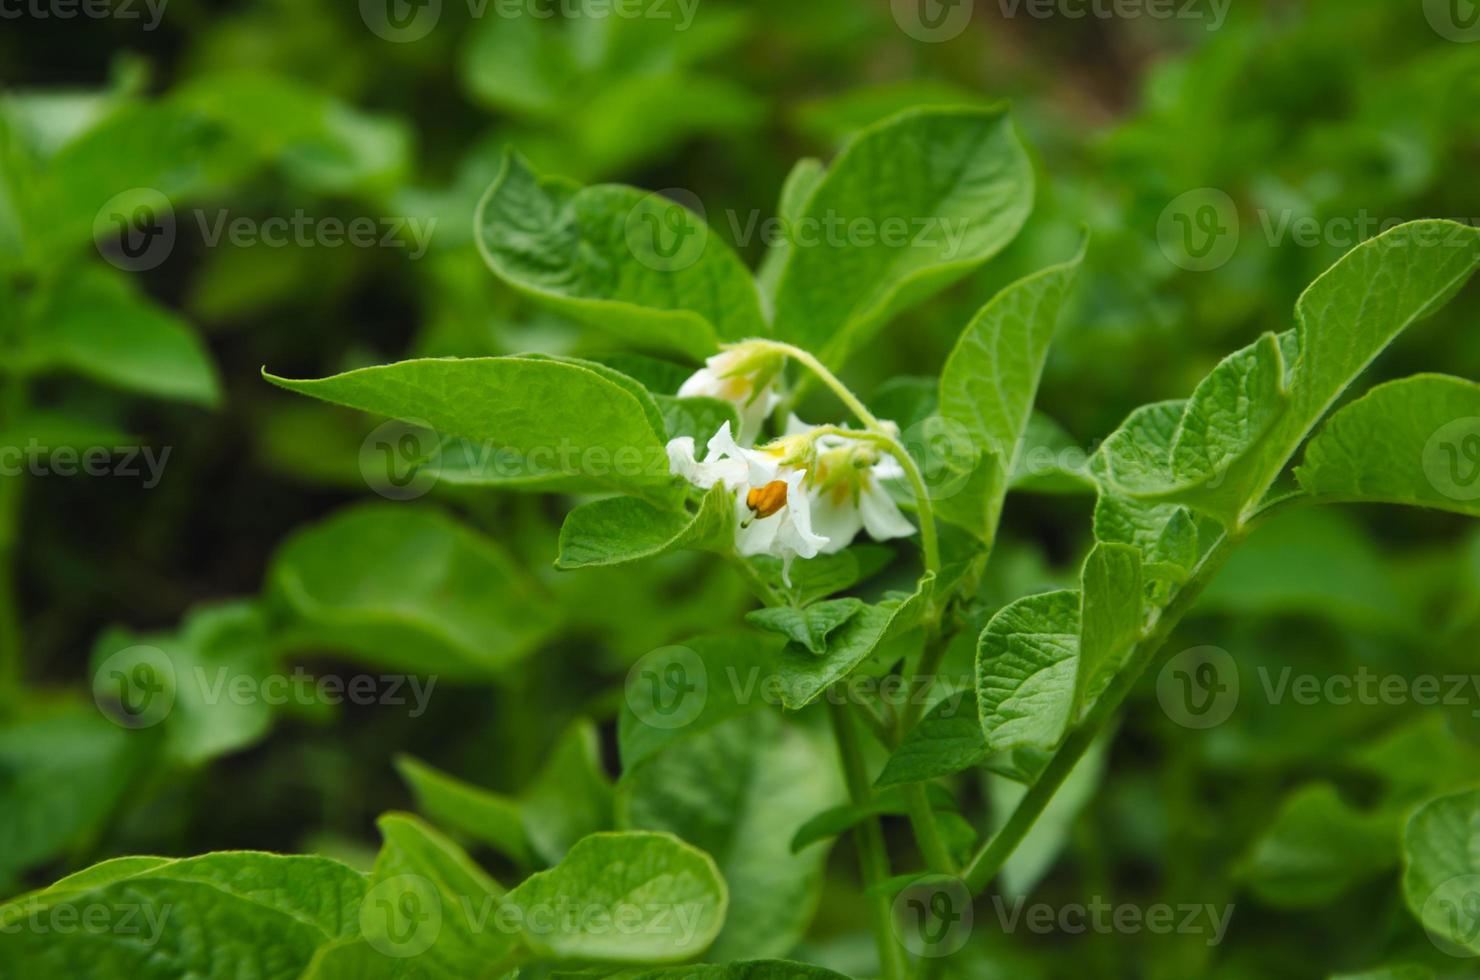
{"x": 807, "y": 493}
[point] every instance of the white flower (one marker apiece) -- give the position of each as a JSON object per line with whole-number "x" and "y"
{"x": 743, "y": 377}
{"x": 772, "y": 507}
{"x": 846, "y": 492}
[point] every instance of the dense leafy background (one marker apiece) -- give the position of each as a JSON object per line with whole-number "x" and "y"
{"x": 257, "y": 550}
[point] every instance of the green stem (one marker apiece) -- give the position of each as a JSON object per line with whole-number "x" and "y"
{"x": 990, "y": 858}
{"x": 927, "y": 832}
{"x": 868, "y": 837}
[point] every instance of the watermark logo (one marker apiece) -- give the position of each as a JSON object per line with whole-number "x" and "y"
{"x": 135, "y": 687}
{"x": 401, "y": 916}
{"x": 1199, "y": 688}
{"x": 1451, "y": 459}
{"x": 1199, "y": 230}
{"x": 400, "y": 459}
{"x": 668, "y": 687}
{"x": 933, "y": 916}
{"x": 1451, "y": 916}
{"x": 945, "y": 452}
{"x": 401, "y": 21}
{"x": 135, "y": 229}
{"x": 153, "y": 10}
{"x": 933, "y": 21}
{"x": 1454, "y": 20}
{"x": 667, "y": 230}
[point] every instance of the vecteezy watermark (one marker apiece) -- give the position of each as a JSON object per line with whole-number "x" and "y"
{"x": 1199, "y": 688}
{"x": 1199, "y": 230}
{"x": 403, "y": 916}
{"x": 668, "y": 688}
{"x": 137, "y": 229}
{"x": 141, "y": 923}
{"x": 933, "y": 915}
{"x": 1111, "y": 918}
{"x": 138, "y": 687}
{"x": 1366, "y": 687}
{"x": 148, "y": 11}
{"x": 400, "y": 459}
{"x": 1454, "y": 20}
{"x": 1451, "y": 459}
{"x": 666, "y": 230}
{"x": 1451, "y": 916}
{"x": 933, "y": 21}
{"x": 404, "y": 21}
{"x": 131, "y": 462}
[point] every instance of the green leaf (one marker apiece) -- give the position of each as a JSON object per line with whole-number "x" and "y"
{"x": 800, "y": 182}
{"x": 429, "y": 900}
{"x": 200, "y": 917}
{"x": 809, "y": 626}
{"x": 1026, "y": 663}
{"x": 697, "y": 418}
{"x": 61, "y": 776}
{"x": 990, "y": 382}
{"x": 740, "y": 791}
{"x": 624, "y": 529}
{"x": 565, "y": 418}
{"x": 942, "y": 189}
{"x": 479, "y": 814}
{"x": 638, "y": 265}
{"x": 1414, "y": 441}
{"x": 825, "y": 575}
{"x": 804, "y": 676}
{"x": 670, "y": 896}
{"x": 218, "y": 651}
{"x": 406, "y": 587}
{"x": 1318, "y": 848}
{"x": 97, "y": 325}
{"x": 947, "y": 740}
{"x": 1164, "y": 534}
{"x": 1110, "y": 618}
{"x": 572, "y": 795}
{"x": 1441, "y": 848}
{"x": 721, "y": 676}
{"x": 1190, "y": 453}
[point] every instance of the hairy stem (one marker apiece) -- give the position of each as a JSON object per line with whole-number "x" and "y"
{"x": 868, "y": 837}
{"x": 989, "y": 859}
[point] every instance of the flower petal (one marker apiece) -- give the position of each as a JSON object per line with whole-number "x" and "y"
{"x": 881, "y": 516}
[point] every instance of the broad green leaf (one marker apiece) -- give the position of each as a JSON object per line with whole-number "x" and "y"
{"x": 1318, "y": 848}
{"x": 638, "y": 265}
{"x": 171, "y": 150}
{"x": 61, "y": 776}
{"x": 800, "y": 182}
{"x": 838, "y": 820}
{"x": 1191, "y": 453}
{"x": 825, "y": 575}
{"x": 624, "y": 529}
{"x": 697, "y": 418}
{"x": 990, "y": 382}
{"x": 428, "y": 900}
{"x": 479, "y": 814}
{"x": 572, "y": 795}
{"x": 1441, "y": 870}
{"x": 1110, "y": 618}
{"x": 676, "y": 692}
{"x": 1027, "y": 660}
{"x": 406, "y": 587}
{"x": 97, "y": 325}
{"x": 740, "y": 792}
{"x": 322, "y": 144}
{"x": 670, "y": 896}
{"x": 809, "y": 626}
{"x": 210, "y": 678}
{"x": 563, "y": 418}
{"x": 941, "y": 190}
{"x": 207, "y": 917}
{"x": 804, "y": 675}
{"x": 1414, "y": 441}
{"x": 947, "y": 740}
{"x": 1164, "y": 534}
{"x": 1357, "y": 308}
{"x": 744, "y": 970}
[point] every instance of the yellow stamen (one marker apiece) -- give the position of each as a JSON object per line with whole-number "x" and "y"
{"x": 767, "y": 500}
